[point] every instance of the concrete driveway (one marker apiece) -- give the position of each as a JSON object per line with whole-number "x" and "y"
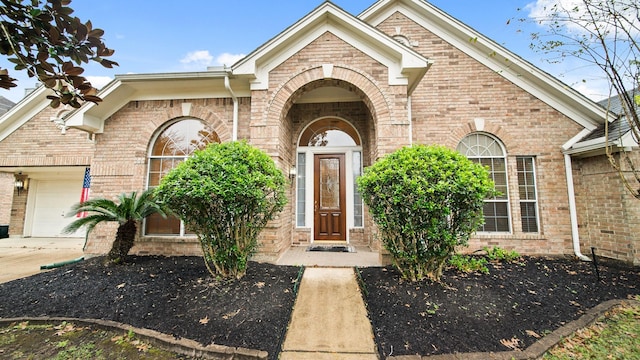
{"x": 20, "y": 257}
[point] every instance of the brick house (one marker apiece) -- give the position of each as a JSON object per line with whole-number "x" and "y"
{"x": 325, "y": 98}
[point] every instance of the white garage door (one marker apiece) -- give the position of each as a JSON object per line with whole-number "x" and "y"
{"x": 53, "y": 199}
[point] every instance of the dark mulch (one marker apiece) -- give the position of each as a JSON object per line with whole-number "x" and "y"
{"x": 173, "y": 295}
{"x": 177, "y": 296}
{"x": 481, "y": 313}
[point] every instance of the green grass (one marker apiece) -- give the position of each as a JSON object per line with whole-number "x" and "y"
{"x": 615, "y": 336}
{"x": 67, "y": 341}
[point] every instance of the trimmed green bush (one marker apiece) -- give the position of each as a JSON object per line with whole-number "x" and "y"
{"x": 226, "y": 194}
{"x": 497, "y": 253}
{"x": 426, "y": 201}
{"x": 469, "y": 264}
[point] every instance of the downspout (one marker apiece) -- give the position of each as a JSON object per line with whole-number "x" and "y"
{"x": 227, "y": 85}
{"x": 575, "y": 236}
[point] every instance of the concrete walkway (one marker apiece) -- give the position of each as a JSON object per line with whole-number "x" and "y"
{"x": 20, "y": 257}
{"x": 329, "y": 320}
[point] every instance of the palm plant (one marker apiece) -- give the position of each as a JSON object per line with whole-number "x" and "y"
{"x": 128, "y": 211}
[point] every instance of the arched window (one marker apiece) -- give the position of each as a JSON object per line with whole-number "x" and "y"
{"x": 488, "y": 151}
{"x": 172, "y": 146}
{"x": 330, "y": 132}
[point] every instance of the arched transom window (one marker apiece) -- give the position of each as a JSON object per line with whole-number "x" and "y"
{"x": 330, "y": 132}
{"x": 488, "y": 151}
{"x": 172, "y": 146}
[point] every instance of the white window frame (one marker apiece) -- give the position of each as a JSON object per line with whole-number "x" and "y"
{"x": 535, "y": 190}
{"x": 507, "y": 200}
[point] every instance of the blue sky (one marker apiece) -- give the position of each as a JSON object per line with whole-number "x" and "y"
{"x": 159, "y": 36}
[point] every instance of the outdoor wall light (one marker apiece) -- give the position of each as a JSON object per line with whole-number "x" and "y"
{"x": 21, "y": 182}
{"x": 292, "y": 172}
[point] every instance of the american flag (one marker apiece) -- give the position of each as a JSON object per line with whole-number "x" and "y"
{"x": 86, "y": 184}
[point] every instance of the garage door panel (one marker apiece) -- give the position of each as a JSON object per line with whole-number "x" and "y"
{"x": 53, "y": 200}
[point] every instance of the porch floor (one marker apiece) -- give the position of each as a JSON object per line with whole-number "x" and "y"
{"x": 363, "y": 256}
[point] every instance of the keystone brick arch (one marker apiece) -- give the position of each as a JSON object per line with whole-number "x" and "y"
{"x": 374, "y": 95}
{"x": 212, "y": 120}
{"x": 510, "y": 145}
{"x": 203, "y": 113}
{"x": 351, "y": 79}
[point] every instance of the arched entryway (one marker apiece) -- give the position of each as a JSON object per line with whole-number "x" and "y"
{"x": 359, "y": 106}
{"x": 328, "y": 162}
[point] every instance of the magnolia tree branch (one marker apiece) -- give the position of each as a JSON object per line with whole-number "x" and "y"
{"x": 44, "y": 39}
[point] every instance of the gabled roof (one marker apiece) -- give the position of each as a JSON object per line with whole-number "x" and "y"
{"x": 509, "y": 65}
{"x": 406, "y": 66}
{"x": 23, "y": 111}
{"x": 5, "y": 105}
{"x": 618, "y": 131}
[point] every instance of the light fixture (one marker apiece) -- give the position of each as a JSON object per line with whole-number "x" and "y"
{"x": 21, "y": 182}
{"x": 292, "y": 172}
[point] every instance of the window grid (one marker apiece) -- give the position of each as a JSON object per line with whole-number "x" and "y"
{"x": 172, "y": 146}
{"x": 528, "y": 194}
{"x": 487, "y": 151}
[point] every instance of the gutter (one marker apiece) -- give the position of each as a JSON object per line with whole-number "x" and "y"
{"x": 227, "y": 85}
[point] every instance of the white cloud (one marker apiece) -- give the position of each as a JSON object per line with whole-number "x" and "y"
{"x": 228, "y": 59}
{"x": 198, "y": 57}
{"x": 99, "y": 81}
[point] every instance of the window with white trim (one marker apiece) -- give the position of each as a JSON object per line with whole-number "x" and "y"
{"x": 528, "y": 194}
{"x": 172, "y": 146}
{"x": 488, "y": 151}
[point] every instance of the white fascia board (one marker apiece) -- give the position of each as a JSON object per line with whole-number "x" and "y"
{"x": 140, "y": 87}
{"x": 403, "y": 63}
{"x": 509, "y": 65}
{"x": 592, "y": 146}
{"x": 23, "y": 111}
{"x": 83, "y": 119}
{"x": 575, "y": 139}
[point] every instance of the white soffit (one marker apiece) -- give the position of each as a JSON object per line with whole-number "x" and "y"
{"x": 142, "y": 87}
{"x": 509, "y": 65}
{"x": 405, "y": 65}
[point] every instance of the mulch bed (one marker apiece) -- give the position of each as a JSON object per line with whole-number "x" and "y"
{"x": 176, "y": 295}
{"x": 173, "y": 295}
{"x": 508, "y": 309}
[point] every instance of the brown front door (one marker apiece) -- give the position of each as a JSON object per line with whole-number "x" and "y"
{"x": 330, "y": 221}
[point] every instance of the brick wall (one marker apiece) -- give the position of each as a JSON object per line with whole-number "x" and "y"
{"x": 39, "y": 143}
{"x": 455, "y": 92}
{"x": 608, "y": 215}
{"x": 6, "y": 187}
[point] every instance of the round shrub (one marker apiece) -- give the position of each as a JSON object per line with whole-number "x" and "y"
{"x": 226, "y": 194}
{"x": 426, "y": 201}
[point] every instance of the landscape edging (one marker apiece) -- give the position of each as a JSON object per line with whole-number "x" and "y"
{"x": 166, "y": 342}
{"x": 537, "y": 349}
